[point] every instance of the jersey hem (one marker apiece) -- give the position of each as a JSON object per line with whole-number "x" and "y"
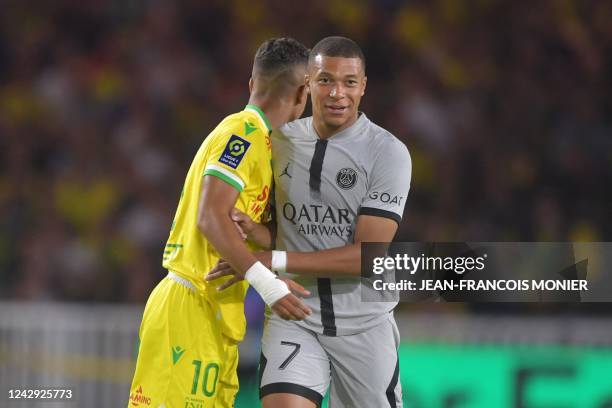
{"x": 315, "y": 327}
{"x": 291, "y": 388}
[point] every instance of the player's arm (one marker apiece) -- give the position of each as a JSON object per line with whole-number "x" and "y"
{"x": 217, "y": 200}
{"x": 342, "y": 261}
{"x": 337, "y": 262}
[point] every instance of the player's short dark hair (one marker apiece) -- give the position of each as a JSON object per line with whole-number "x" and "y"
{"x": 336, "y": 46}
{"x": 279, "y": 55}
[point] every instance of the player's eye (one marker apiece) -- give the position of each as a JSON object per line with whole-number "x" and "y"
{"x": 324, "y": 80}
{"x": 351, "y": 82}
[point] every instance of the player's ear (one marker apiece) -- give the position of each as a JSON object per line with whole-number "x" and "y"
{"x": 301, "y": 95}
{"x": 251, "y": 85}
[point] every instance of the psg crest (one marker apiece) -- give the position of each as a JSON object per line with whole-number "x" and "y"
{"x": 346, "y": 178}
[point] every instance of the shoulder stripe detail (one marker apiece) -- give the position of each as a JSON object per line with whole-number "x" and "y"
{"x": 225, "y": 175}
{"x": 377, "y": 212}
{"x": 260, "y": 115}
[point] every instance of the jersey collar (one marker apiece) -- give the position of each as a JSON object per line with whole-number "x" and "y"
{"x": 262, "y": 116}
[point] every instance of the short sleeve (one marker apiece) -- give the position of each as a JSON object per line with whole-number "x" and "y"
{"x": 389, "y": 182}
{"x": 231, "y": 157}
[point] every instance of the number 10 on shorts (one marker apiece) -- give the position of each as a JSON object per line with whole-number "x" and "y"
{"x": 208, "y": 387}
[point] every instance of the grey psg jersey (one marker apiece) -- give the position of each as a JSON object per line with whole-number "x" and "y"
{"x": 321, "y": 187}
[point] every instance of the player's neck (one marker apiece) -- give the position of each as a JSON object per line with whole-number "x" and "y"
{"x": 324, "y": 131}
{"x": 273, "y": 112}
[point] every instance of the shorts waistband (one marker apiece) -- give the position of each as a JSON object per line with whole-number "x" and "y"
{"x": 186, "y": 283}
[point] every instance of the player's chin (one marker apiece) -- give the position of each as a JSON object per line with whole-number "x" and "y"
{"x": 336, "y": 121}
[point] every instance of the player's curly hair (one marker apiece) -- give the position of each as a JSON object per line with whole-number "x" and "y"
{"x": 337, "y": 46}
{"x": 279, "y": 54}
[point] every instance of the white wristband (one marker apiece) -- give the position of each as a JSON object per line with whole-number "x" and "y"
{"x": 279, "y": 261}
{"x": 269, "y": 287}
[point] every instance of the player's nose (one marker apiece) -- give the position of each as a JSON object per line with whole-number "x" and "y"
{"x": 337, "y": 91}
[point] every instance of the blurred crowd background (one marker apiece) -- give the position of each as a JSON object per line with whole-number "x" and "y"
{"x": 505, "y": 107}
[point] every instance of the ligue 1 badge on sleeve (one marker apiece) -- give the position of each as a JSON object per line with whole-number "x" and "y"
{"x": 346, "y": 178}
{"x": 234, "y": 151}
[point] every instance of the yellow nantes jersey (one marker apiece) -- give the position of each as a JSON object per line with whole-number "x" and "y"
{"x": 237, "y": 151}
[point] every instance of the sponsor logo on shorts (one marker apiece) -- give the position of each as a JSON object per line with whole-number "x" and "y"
{"x": 195, "y": 403}
{"x": 234, "y": 151}
{"x": 346, "y": 178}
{"x": 139, "y": 398}
{"x": 177, "y": 353}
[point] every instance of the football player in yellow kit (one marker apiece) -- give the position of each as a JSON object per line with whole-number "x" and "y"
{"x": 189, "y": 334}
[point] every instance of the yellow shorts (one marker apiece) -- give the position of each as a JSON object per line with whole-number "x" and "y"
{"x": 183, "y": 360}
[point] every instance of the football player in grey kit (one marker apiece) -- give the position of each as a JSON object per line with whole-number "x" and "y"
{"x": 339, "y": 180}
